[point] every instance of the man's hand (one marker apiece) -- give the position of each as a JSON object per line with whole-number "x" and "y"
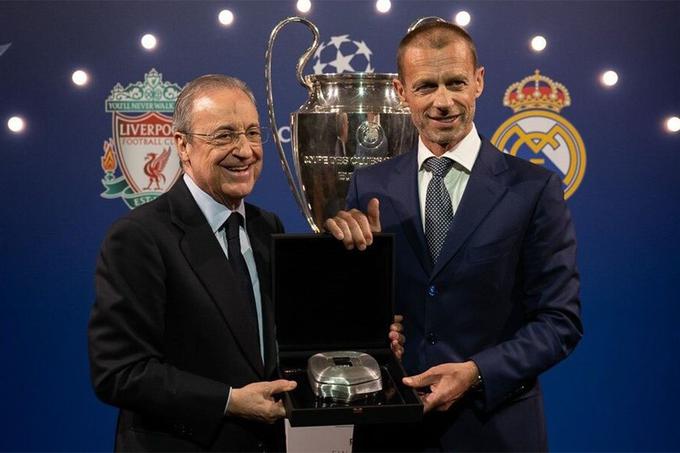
{"x": 256, "y": 402}
{"x": 397, "y": 338}
{"x": 354, "y": 228}
{"x": 447, "y": 382}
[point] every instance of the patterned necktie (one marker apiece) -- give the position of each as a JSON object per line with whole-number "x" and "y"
{"x": 438, "y": 209}
{"x": 238, "y": 263}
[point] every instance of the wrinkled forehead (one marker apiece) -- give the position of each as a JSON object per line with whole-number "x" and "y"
{"x": 454, "y": 58}
{"x": 443, "y": 44}
{"x": 224, "y": 105}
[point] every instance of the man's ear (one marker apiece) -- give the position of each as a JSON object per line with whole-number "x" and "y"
{"x": 181, "y": 145}
{"x": 479, "y": 79}
{"x": 399, "y": 88}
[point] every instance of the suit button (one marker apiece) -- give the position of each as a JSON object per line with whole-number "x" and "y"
{"x": 432, "y": 291}
{"x": 431, "y": 338}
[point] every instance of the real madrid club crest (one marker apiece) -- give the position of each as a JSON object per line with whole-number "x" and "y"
{"x": 142, "y": 145}
{"x": 538, "y": 133}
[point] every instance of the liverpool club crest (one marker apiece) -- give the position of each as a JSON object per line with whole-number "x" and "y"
{"x": 538, "y": 133}
{"x": 142, "y": 147}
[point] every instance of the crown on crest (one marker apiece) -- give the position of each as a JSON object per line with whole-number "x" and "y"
{"x": 536, "y": 91}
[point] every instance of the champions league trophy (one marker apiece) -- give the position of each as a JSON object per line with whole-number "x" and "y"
{"x": 350, "y": 120}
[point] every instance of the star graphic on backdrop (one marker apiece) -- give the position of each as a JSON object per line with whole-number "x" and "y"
{"x": 362, "y": 49}
{"x": 318, "y": 67}
{"x": 341, "y": 62}
{"x": 4, "y": 47}
{"x": 317, "y": 54}
{"x": 338, "y": 40}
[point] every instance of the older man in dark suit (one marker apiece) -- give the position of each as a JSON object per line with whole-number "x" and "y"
{"x": 486, "y": 259}
{"x": 181, "y": 335}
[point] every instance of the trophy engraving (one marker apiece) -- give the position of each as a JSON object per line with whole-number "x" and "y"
{"x": 370, "y": 135}
{"x": 349, "y": 120}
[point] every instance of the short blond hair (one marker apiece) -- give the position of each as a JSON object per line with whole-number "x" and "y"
{"x": 435, "y": 35}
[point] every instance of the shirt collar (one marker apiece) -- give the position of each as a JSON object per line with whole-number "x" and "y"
{"x": 465, "y": 152}
{"x": 215, "y": 213}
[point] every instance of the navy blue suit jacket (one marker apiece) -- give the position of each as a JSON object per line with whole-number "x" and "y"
{"x": 504, "y": 291}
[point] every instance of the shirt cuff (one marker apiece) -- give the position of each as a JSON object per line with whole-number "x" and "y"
{"x": 226, "y": 406}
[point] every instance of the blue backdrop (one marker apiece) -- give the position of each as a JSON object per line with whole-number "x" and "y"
{"x": 618, "y": 391}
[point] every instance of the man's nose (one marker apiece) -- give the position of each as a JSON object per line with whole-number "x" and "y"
{"x": 442, "y": 98}
{"x": 242, "y": 147}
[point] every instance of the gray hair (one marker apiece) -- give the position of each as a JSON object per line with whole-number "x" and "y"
{"x": 182, "y": 117}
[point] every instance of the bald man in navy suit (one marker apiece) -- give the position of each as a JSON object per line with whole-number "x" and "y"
{"x": 486, "y": 260}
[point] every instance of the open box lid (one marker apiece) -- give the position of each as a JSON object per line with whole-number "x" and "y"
{"x": 330, "y": 298}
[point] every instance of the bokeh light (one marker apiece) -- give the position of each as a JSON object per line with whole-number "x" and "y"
{"x": 609, "y": 78}
{"x": 225, "y": 17}
{"x": 462, "y": 18}
{"x": 673, "y": 124}
{"x": 80, "y": 77}
{"x": 149, "y": 41}
{"x": 538, "y": 43}
{"x": 16, "y": 124}
{"x": 383, "y": 6}
{"x": 304, "y": 6}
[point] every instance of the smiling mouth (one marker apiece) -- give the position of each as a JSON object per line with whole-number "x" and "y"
{"x": 444, "y": 119}
{"x": 237, "y": 169}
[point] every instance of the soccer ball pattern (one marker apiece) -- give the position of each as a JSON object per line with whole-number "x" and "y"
{"x": 342, "y": 54}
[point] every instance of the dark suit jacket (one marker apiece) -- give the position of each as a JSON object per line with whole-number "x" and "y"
{"x": 504, "y": 291}
{"x": 170, "y": 329}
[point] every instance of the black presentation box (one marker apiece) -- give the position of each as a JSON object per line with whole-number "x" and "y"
{"x": 328, "y": 298}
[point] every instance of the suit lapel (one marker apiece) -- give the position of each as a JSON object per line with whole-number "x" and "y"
{"x": 259, "y": 241}
{"x": 482, "y": 193}
{"x": 403, "y": 188}
{"x": 206, "y": 258}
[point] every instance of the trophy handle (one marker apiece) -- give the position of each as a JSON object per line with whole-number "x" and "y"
{"x": 297, "y": 192}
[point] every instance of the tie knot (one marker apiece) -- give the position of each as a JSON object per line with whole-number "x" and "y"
{"x": 232, "y": 224}
{"x": 438, "y": 166}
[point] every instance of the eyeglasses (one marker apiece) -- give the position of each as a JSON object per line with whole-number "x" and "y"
{"x": 254, "y": 135}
